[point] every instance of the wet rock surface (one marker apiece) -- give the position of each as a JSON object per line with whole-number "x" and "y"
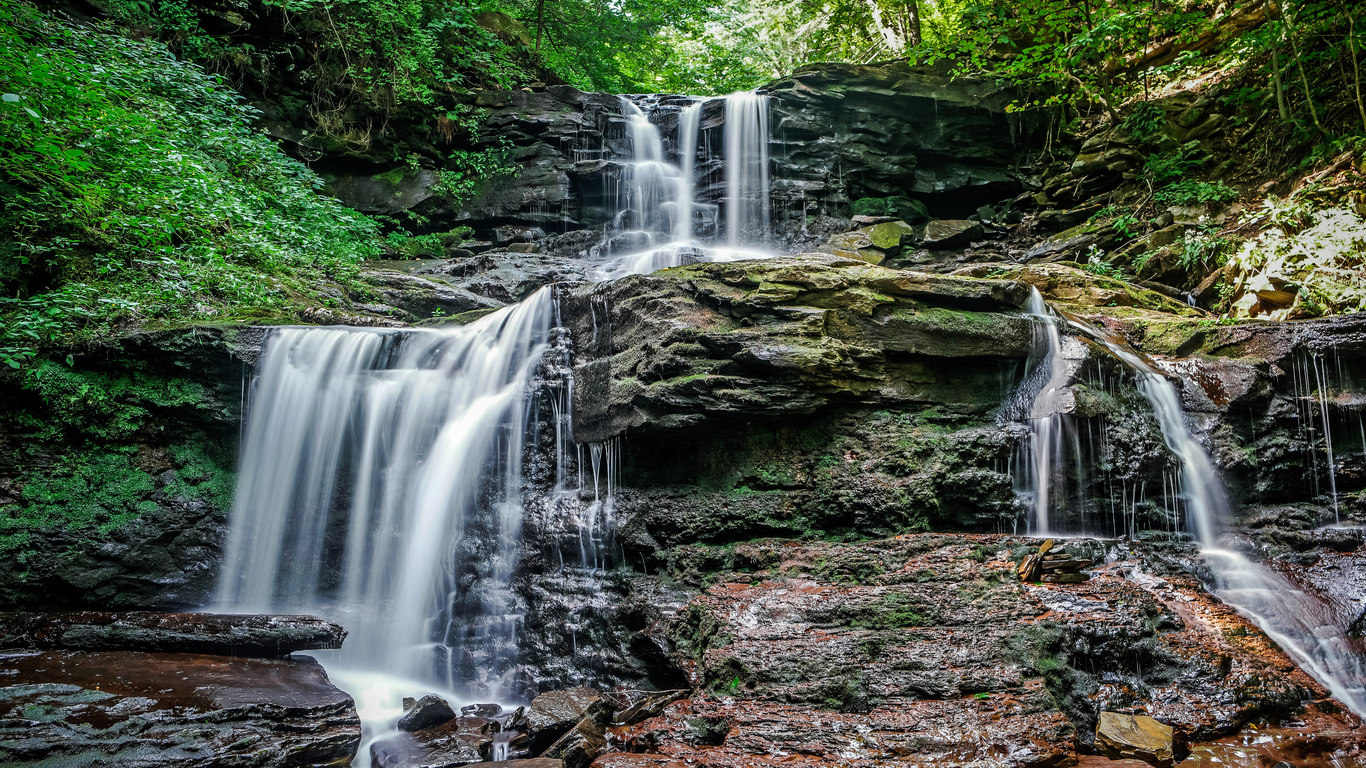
{"x": 554, "y": 713}
{"x": 926, "y": 650}
{"x": 426, "y": 712}
{"x": 158, "y": 709}
{"x": 454, "y": 742}
{"x": 779, "y": 337}
{"x": 206, "y": 633}
{"x": 1120, "y": 737}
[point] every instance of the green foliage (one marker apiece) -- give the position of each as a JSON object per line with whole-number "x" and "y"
{"x": 1123, "y": 220}
{"x": 874, "y": 206}
{"x": 409, "y": 246}
{"x": 1145, "y": 122}
{"x": 88, "y": 495}
{"x": 1189, "y": 192}
{"x": 1320, "y": 250}
{"x": 135, "y": 190}
{"x": 1097, "y": 266}
{"x": 100, "y": 406}
{"x": 1167, "y": 167}
{"x": 1202, "y": 248}
{"x": 468, "y": 171}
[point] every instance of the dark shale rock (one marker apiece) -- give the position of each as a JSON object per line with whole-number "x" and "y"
{"x": 580, "y": 746}
{"x": 932, "y": 629}
{"x": 507, "y": 277}
{"x": 421, "y": 298}
{"x": 909, "y": 138}
{"x": 454, "y": 743}
{"x": 220, "y": 634}
{"x": 948, "y": 233}
{"x": 426, "y": 712}
{"x": 553, "y": 714}
{"x": 182, "y": 710}
{"x": 777, "y": 337}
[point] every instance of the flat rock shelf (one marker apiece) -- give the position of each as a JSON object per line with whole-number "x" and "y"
{"x": 171, "y": 709}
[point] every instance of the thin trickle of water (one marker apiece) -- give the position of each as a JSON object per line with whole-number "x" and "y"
{"x": 1047, "y": 413}
{"x": 688, "y": 122}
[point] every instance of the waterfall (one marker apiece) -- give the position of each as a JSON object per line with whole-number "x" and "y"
{"x": 380, "y": 481}
{"x": 688, "y": 122}
{"x": 654, "y": 225}
{"x": 747, "y": 187}
{"x": 1299, "y": 623}
{"x": 380, "y": 487}
{"x": 1047, "y": 416}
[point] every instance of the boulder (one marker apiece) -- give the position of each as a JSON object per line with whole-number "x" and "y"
{"x": 1120, "y": 736}
{"x": 943, "y": 234}
{"x": 456, "y": 742}
{"x": 890, "y": 236}
{"x": 778, "y": 337}
{"x": 226, "y": 635}
{"x": 1111, "y": 161}
{"x": 171, "y": 709}
{"x": 554, "y": 713}
{"x": 426, "y": 712}
{"x": 580, "y": 746}
{"x": 855, "y": 245}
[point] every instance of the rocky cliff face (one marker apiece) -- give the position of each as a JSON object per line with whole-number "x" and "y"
{"x": 884, "y": 139}
{"x": 118, "y": 471}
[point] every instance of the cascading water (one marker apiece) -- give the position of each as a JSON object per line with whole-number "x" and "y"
{"x": 655, "y": 227}
{"x": 380, "y": 479}
{"x": 1046, "y": 416}
{"x": 1300, "y": 624}
{"x": 747, "y": 203}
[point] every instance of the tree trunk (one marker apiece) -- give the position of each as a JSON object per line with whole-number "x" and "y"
{"x": 1304, "y": 78}
{"x": 540, "y": 22}
{"x": 1356, "y": 64}
{"x": 913, "y": 31}
{"x": 1276, "y": 65}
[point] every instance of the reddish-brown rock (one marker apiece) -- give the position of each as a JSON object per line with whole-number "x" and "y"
{"x": 161, "y": 709}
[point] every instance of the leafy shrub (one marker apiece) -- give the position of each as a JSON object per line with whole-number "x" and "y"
{"x": 1196, "y": 193}
{"x": 1146, "y": 122}
{"x": 1167, "y": 167}
{"x": 1322, "y": 252}
{"x": 1097, "y": 266}
{"x": 132, "y": 188}
{"x": 1202, "y": 248}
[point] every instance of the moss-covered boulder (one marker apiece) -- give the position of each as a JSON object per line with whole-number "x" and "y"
{"x": 783, "y": 336}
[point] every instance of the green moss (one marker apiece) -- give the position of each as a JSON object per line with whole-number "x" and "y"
{"x": 89, "y": 495}
{"x": 104, "y": 406}
{"x": 893, "y": 611}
